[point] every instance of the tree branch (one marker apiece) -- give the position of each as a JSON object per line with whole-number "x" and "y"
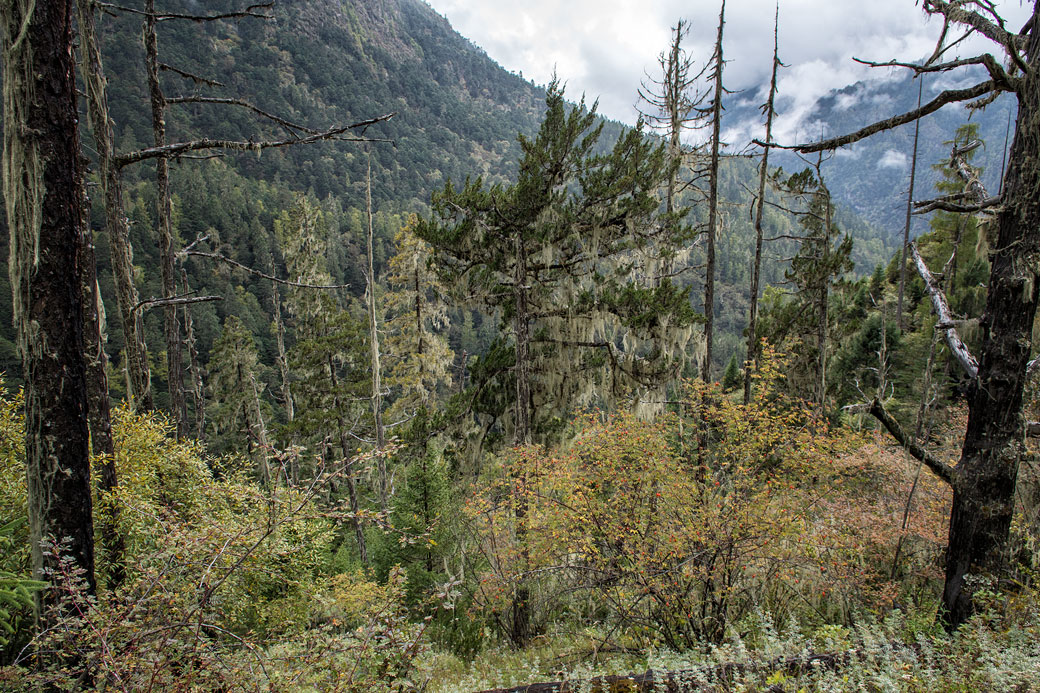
{"x": 175, "y": 301}
{"x": 288, "y": 125}
{"x": 189, "y": 75}
{"x": 938, "y": 467}
{"x": 945, "y": 97}
{"x": 177, "y": 148}
{"x": 251, "y": 11}
{"x": 942, "y": 311}
{"x": 926, "y": 206}
{"x": 258, "y": 273}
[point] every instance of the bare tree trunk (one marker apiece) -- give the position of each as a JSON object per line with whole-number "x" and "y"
{"x": 521, "y": 607}
{"x": 823, "y": 292}
{"x": 135, "y": 353}
{"x": 713, "y": 199}
{"x": 756, "y": 269}
{"x": 194, "y": 367}
{"x": 984, "y": 495}
{"x": 373, "y": 341}
{"x": 43, "y": 192}
{"x": 909, "y": 209}
{"x": 171, "y": 329}
{"x": 99, "y": 412}
{"x": 348, "y": 468}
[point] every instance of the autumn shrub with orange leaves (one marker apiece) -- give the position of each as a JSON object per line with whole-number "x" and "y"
{"x": 671, "y": 530}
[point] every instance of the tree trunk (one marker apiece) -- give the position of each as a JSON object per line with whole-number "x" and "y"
{"x": 713, "y": 200}
{"x": 135, "y": 353}
{"x": 43, "y": 192}
{"x": 171, "y": 328}
{"x": 984, "y": 492}
{"x": 194, "y": 367}
{"x": 373, "y": 341}
{"x": 756, "y": 269}
{"x": 521, "y": 607}
{"x": 909, "y": 210}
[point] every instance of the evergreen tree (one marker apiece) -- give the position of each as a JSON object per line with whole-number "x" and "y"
{"x": 553, "y": 254}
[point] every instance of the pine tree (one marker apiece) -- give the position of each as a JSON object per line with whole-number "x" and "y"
{"x": 553, "y": 254}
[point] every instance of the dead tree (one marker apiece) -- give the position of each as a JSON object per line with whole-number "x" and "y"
{"x": 714, "y": 112}
{"x": 984, "y": 480}
{"x": 756, "y": 268}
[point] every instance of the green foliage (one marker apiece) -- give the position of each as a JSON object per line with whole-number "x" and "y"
{"x": 555, "y": 254}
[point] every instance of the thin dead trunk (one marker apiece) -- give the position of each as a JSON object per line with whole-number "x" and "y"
{"x": 194, "y": 367}
{"x": 373, "y": 341}
{"x": 135, "y": 353}
{"x": 713, "y": 199}
{"x": 348, "y": 467}
{"x": 171, "y": 328}
{"x": 909, "y": 209}
{"x": 756, "y": 268}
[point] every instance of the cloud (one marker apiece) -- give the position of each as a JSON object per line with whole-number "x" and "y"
{"x": 606, "y": 47}
{"x": 893, "y": 159}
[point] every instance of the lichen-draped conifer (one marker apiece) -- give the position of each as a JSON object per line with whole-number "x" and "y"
{"x": 554, "y": 255}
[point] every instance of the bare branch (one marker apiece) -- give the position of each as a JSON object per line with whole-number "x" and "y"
{"x": 288, "y": 125}
{"x": 925, "y": 206}
{"x": 258, "y": 273}
{"x": 942, "y": 311}
{"x": 189, "y": 75}
{"x": 178, "y": 148}
{"x": 175, "y": 301}
{"x": 945, "y": 97}
{"x": 1032, "y": 429}
{"x": 251, "y": 11}
{"x": 995, "y": 32}
{"x": 938, "y": 467}
{"x": 996, "y": 71}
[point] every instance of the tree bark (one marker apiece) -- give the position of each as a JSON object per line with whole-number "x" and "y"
{"x": 135, "y": 353}
{"x": 984, "y": 495}
{"x": 373, "y": 342}
{"x": 713, "y": 199}
{"x": 171, "y": 328}
{"x": 909, "y": 209}
{"x": 756, "y": 268}
{"x": 43, "y": 191}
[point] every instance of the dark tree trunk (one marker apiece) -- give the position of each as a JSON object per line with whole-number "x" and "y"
{"x": 984, "y": 491}
{"x": 43, "y": 193}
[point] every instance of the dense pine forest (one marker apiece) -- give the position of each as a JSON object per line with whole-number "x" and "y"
{"x": 337, "y": 357}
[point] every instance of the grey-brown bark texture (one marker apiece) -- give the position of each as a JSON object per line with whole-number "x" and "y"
{"x": 984, "y": 495}
{"x": 171, "y": 327}
{"x": 985, "y": 477}
{"x": 717, "y": 63}
{"x": 43, "y": 194}
{"x": 756, "y": 267}
{"x": 135, "y": 353}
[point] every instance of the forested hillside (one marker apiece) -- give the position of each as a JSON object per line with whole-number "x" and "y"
{"x": 340, "y": 358}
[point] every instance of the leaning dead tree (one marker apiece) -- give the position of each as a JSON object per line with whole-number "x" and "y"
{"x": 984, "y": 479}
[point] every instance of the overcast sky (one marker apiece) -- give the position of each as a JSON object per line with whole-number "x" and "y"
{"x": 605, "y": 47}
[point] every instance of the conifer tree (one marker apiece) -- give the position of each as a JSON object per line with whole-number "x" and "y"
{"x": 417, "y": 352}
{"x": 553, "y": 255}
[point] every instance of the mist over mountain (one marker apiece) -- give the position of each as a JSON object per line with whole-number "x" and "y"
{"x": 873, "y": 176}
